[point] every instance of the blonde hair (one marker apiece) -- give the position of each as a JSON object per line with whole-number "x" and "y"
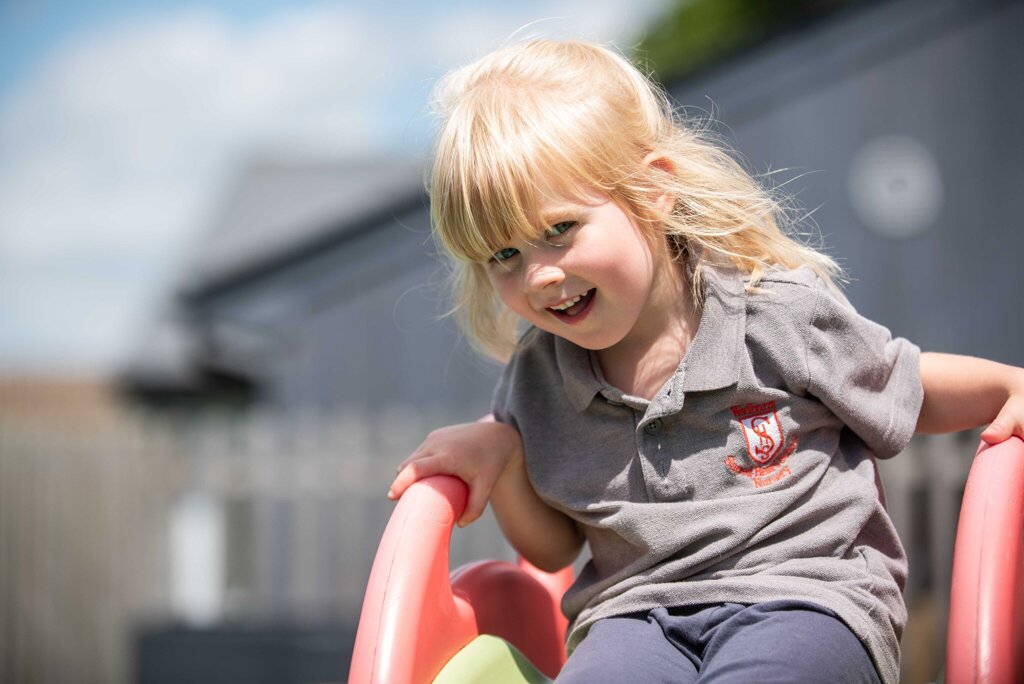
{"x": 547, "y": 118}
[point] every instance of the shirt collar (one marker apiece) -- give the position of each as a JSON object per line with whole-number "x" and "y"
{"x": 712, "y": 362}
{"x": 578, "y": 375}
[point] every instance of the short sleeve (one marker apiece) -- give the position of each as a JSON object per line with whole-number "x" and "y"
{"x": 871, "y": 381}
{"x": 501, "y": 398}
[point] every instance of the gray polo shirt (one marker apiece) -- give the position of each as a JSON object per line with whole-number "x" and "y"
{"x": 749, "y": 476}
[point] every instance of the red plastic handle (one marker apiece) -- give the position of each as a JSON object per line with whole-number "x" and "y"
{"x": 986, "y": 615}
{"x": 411, "y": 623}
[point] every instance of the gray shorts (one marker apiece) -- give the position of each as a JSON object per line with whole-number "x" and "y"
{"x": 776, "y": 641}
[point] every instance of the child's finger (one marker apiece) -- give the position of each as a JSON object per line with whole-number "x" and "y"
{"x": 412, "y": 471}
{"x": 1009, "y": 421}
{"x": 414, "y": 456}
{"x": 475, "y": 505}
{"x": 418, "y": 455}
{"x": 995, "y": 433}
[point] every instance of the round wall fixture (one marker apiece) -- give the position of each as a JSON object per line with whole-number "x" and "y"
{"x": 895, "y": 186}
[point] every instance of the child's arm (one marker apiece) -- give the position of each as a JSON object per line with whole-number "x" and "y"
{"x": 962, "y": 392}
{"x": 488, "y": 457}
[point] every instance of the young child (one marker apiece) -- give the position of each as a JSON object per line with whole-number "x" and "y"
{"x": 692, "y": 397}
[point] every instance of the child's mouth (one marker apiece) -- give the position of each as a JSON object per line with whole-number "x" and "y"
{"x": 578, "y": 310}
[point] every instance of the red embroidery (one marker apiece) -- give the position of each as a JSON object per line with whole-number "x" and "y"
{"x": 764, "y": 475}
{"x": 761, "y": 429}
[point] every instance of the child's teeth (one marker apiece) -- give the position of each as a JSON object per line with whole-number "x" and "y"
{"x": 566, "y": 305}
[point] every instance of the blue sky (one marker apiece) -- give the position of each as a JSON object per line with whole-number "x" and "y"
{"x": 122, "y": 123}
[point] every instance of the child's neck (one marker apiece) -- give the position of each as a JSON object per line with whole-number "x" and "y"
{"x": 641, "y": 363}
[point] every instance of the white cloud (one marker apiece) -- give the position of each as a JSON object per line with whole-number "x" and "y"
{"x": 144, "y": 114}
{"x": 118, "y": 147}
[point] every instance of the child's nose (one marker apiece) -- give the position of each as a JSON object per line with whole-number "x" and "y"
{"x": 542, "y": 276}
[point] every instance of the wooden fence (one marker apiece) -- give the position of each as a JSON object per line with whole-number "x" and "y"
{"x": 270, "y": 519}
{"x": 89, "y": 530}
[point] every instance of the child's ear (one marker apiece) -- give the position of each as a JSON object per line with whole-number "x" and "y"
{"x": 656, "y": 160}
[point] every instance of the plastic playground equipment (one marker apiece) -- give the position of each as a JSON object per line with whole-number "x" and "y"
{"x": 500, "y": 623}
{"x": 986, "y": 601}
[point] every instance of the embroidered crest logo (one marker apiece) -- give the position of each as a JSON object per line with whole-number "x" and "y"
{"x": 762, "y": 430}
{"x": 765, "y": 444}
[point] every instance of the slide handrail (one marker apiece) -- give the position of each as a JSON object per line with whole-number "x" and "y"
{"x": 985, "y": 633}
{"x": 411, "y": 623}
{"x": 416, "y": 616}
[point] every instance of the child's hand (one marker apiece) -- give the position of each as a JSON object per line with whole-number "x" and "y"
{"x": 477, "y": 453}
{"x": 1010, "y": 421}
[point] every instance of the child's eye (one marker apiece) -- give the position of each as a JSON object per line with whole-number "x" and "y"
{"x": 504, "y": 254}
{"x": 560, "y": 228}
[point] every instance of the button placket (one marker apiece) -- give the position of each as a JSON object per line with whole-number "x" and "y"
{"x": 647, "y": 472}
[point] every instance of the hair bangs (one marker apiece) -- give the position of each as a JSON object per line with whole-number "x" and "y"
{"x": 491, "y": 177}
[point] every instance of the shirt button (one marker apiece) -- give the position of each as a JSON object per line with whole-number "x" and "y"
{"x": 654, "y": 427}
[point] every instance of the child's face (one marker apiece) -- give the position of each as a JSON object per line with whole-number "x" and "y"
{"x": 588, "y": 277}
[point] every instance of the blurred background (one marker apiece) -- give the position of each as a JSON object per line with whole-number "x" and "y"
{"x": 220, "y": 304}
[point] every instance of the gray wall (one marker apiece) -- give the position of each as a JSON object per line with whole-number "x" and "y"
{"x": 359, "y": 325}
{"x": 930, "y": 83}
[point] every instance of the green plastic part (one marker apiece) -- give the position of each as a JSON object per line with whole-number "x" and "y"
{"x": 490, "y": 660}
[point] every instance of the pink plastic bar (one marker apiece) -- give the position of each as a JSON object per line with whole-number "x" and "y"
{"x": 520, "y": 604}
{"x": 986, "y": 616}
{"x": 413, "y": 621}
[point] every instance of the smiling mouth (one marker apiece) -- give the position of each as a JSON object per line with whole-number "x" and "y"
{"x": 576, "y": 306}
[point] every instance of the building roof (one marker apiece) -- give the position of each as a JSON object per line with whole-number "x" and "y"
{"x": 278, "y": 212}
{"x": 282, "y": 209}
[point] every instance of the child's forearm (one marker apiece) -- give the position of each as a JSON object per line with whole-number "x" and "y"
{"x": 962, "y": 392}
{"x": 547, "y": 538}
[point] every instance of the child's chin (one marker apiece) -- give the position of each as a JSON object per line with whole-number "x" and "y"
{"x": 590, "y": 342}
